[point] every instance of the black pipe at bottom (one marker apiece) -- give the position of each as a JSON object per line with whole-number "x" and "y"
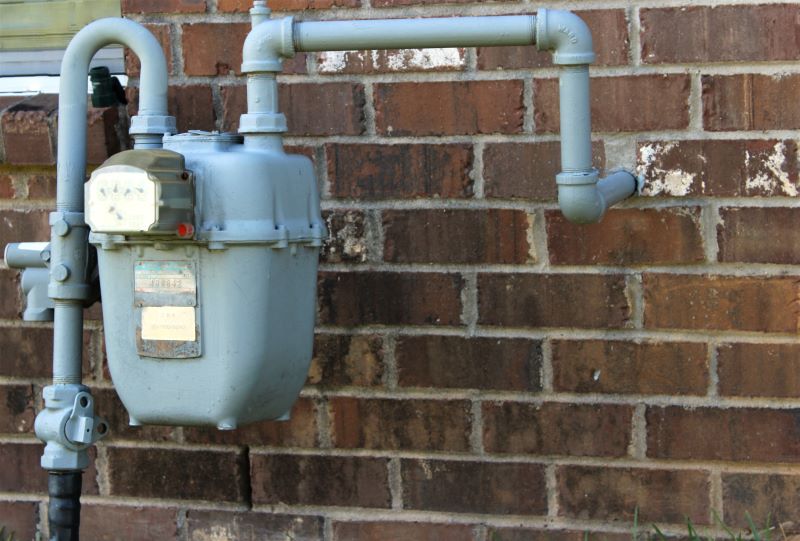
{"x": 64, "y": 511}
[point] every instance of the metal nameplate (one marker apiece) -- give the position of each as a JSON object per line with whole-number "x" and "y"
{"x": 164, "y": 283}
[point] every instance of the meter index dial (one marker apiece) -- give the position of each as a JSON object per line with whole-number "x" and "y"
{"x": 121, "y": 201}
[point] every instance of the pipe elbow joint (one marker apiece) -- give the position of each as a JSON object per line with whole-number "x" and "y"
{"x": 578, "y": 197}
{"x": 566, "y": 34}
{"x": 267, "y": 44}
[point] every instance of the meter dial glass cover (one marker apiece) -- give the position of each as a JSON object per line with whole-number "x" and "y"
{"x": 121, "y": 202}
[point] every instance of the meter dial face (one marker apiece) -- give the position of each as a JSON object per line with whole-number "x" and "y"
{"x": 121, "y": 202}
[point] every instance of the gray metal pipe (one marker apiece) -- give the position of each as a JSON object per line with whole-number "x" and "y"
{"x": 415, "y": 33}
{"x": 67, "y": 351}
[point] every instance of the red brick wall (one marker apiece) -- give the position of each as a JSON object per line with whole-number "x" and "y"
{"x": 484, "y": 370}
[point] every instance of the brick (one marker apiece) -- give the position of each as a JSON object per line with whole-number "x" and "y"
{"x": 526, "y": 170}
{"x": 347, "y": 237}
{"x": 22, "y": 472}
{"x": 720, "y": 168}
{"x": 129, "y": 523}
{"x": 609, "y": 29}
{"x": 603, "y": 493}
{"x": 338, "y": 110}
{"x": 556, "y": 429}
{"x": 525, "y": 534}
{"x": 391, "y": 61}
{"x": 163, "y": 6}
{"x": 26, "y": 131}
{"x": 392, "y": 3}
{"x": 41, "y": 185}
{"x": 720, "y": 34}
{"x": 620, "y": 367}
{"x": 625, "y": 237}
{"x": 388, "y": 298}
{"x": 748, "y": 235}
{"x": 746, "y": 434}
{"x": 449, "y": 108}
{"x": 103, "y": 139}
{"x": 163, "y": 33}
{"x": 400, "y": 424}
{"x": 213, "y": 48}
{"x": 759, "y": 304}
{"x": 299, "y": 431}
{"x": 243, "y": 6}
{"x": 20, "y": 518}
{"x": 552, "y": 300}
{"x": 27, "y": 351}
{"x": 401, "y": 531}
{"x": 191, "y": 105}
{"x": 11, "y": 307}
{"x": 729, "y": 102}
{"x": 368, "y": 172}
{"x": 774, "y": 498}
{"x": 320, "y": 480}
{"x": 345, "y": 361}
{"x": 469, "y": 363}
{"x": 621, "y": 104}
{"x": 474, "y": 487}
{"x": 251, "y": 526}
{"x": 23, "y": 226}
{"x": 7, "y": 188}
{"x": 108, "y": 405}
{"x": 768, "y": 370}
{"x": 180, "y": 474}
{"x": 17, "y": 408}
{"x": 492, "y": 236}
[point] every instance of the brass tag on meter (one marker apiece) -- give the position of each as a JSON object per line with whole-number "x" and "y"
{"x": 165, "y": 299}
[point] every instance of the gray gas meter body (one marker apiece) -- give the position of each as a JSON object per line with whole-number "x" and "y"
{"x": 208, "y": 314}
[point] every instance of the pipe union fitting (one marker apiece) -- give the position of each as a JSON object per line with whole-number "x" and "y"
{"x": 152, "y": 124}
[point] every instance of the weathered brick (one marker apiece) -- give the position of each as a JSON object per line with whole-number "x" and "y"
{"x": 471, "y": 363}
{"x": 720, "y": 34}
{"x": 525, "y": 534}
{"x": 393, "y": 3}
{"x": 609, "y": 29}
{"x": 23, "y": 225}
{"x": 41, "y": 185}
{"x": 750, "y": 102}
{"x": 7, "y": 187}
{"x": 102, "y": 137}
{"x": 553, "y": 300}
{"x": 746, "y": 434}
{"x": 11, "y": 307}
{"x": 619, "y": 367}
{"x": 391, "y": 61}
{"x": 388, "y": 298}
{"x": 19, "y": 518}
{"x": 296, "y": 480}
{"x": 442, "y": 425}
{"x": 688, "y": 301}
{"x": 191, "y": 105}
{"x": 163, "y": 33}
{"x": 625, "y": 237}
{"x": 367, "y": 172}
{"x": 213, "y": 48}
{"x": 526, "y": 170}
{"x": 17, "y": 408}
{"x": 163, "y": 6}
{"x": 773, "y": 498}
{"x": 492, "y": 236}
{"x": 759, "y": 370}
{"x": 112, "y": 523}
{"x": 401, "y": 531}
{"x": 26, "y": 131}
{"x": 243, "y": 6}
{"x": 108, "y": 404}
{"x": 722, "y": 168}
{"x": 27, "y": 351}
{"x": 344, "y": 361}
{"x": 28, "y": 184}
{"x": 604, "y": 493}
{"x": 299, "y": 431}
{"x": 181, "y": 474}
{"x": 338, "y": 110}
{"x": 22, "y": 472}
{"x": 748, "y": 235}
{"x": 474, "y": 487}
{"x": 449, "y": 108}
{"x": 251, "y": 526}
{"x": 347, "y": 237}
{"x": 556, "y": 429}
{"x": 621, "y": 104}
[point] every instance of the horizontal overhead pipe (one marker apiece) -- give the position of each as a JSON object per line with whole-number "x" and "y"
{"x": 582, "y": 197}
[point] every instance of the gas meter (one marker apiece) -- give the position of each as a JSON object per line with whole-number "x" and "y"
{"x": 207, "y": 251}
